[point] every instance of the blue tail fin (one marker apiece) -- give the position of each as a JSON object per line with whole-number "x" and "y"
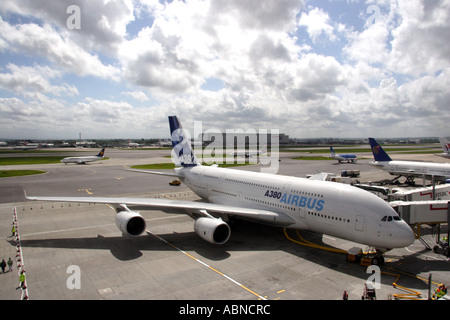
{"x": 101, "y": 153}
{"x": 182, "y": 152}
{"x": 378, "y": 153}
{"x": 332, "y": 151}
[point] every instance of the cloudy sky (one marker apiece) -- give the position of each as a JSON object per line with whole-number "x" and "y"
{"x": 118, "y": 68}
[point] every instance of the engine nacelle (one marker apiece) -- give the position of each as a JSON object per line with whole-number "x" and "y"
{"x": 212, "y": 230}
{"x": 130, "y": 223}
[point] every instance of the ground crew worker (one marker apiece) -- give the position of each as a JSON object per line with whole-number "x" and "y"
{"x": 442, "y": 290}
{"x": 13, "y": 230}
{"x": 345, "y": 295}
{"x": 438, "y": 292}
{"x": 22, "y": 278}
{"x": 10, "y": 263}
{"x": 3, "y": 265}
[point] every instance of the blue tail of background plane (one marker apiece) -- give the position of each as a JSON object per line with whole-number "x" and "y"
{"x": 378, "y": 153}
{"x": 101, "y": 153}
{"x": 181, "y": 144}
{"x": 332, "y": 151}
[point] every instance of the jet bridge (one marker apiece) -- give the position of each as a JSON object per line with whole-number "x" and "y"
{"x": 433, "y": 212}
{"x": 435, "y": 192}
{"x": 422, "y": 212}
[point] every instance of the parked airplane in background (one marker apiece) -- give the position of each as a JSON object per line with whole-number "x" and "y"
{"x": 445, "y": 148}
{"x": 84, "y": 160}
{"x": 133, "y": 144}
{"x": 248, "y": 153}
{"x": 335, "y": 209}
{"x": 426, "y": 170}
{"x": 349, "y": 157}
{"x": 27, "y": 146}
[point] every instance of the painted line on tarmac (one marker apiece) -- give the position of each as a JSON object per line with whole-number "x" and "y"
{"x": 208, "y": 266}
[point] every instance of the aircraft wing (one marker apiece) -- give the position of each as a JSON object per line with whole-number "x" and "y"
{"x": 170, "y": 174}
{"x": 322, "y": 176}
{"x": 202, "y": 208}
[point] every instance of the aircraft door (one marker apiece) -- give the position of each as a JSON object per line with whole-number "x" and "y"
{"x": 359, "y": 223}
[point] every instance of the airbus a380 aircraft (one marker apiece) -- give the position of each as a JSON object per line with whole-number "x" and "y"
{"x": 83, "y": 160}
{"x": 440, "y": 171}
{"x": 325, "y": 207}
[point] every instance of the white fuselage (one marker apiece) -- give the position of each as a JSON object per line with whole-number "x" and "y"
{"x": 325, "y": 207}
{"x": 348, "y": 158}
{"x": 81, "y": 160}
{"x": 440, "y": 171}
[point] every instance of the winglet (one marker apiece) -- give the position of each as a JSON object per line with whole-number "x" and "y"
{"x": 26, "y": 196}
{"x": 378, "y": 153}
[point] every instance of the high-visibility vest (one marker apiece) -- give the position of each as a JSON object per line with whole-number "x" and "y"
{"x": 22, "y": 277}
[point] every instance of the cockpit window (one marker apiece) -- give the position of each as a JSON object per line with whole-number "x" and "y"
{"x": 390, "y": 218}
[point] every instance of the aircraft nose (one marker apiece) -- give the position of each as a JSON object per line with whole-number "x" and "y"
{"x": 406, "y": 236}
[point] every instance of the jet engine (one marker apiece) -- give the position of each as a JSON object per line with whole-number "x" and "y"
{"x": 212, "y": 230}
{"x": 130, "y": 223}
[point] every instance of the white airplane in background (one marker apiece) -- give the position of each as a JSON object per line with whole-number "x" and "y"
{"x": 85, "y": 159}
{"x": 349, "y": 157}
{"x": 445, "y": 148}
{"x": 427, "y": 170}
{"x": 248, "y": 153}
{"x": 27, "y": 146}
{"x": 335, "y": 209}
{"x": 133, "y": 144}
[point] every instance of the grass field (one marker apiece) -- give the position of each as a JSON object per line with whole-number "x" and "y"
{"x": 17, "y": 173}
{"x": 9, "y": 161}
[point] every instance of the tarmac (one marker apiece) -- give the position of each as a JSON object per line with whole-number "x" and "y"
{"x": 75, "y": 251}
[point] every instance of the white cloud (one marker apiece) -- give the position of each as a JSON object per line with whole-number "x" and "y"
{"x": 46, "y": 42}
{"x": 420, "y": 42}
{"x": 317, "y": 23}
{"x": 102, "y": 25}
{"x": 137, "y": 95}
{"x": 370, "y": 45}
{"x": 29, "y": 80}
